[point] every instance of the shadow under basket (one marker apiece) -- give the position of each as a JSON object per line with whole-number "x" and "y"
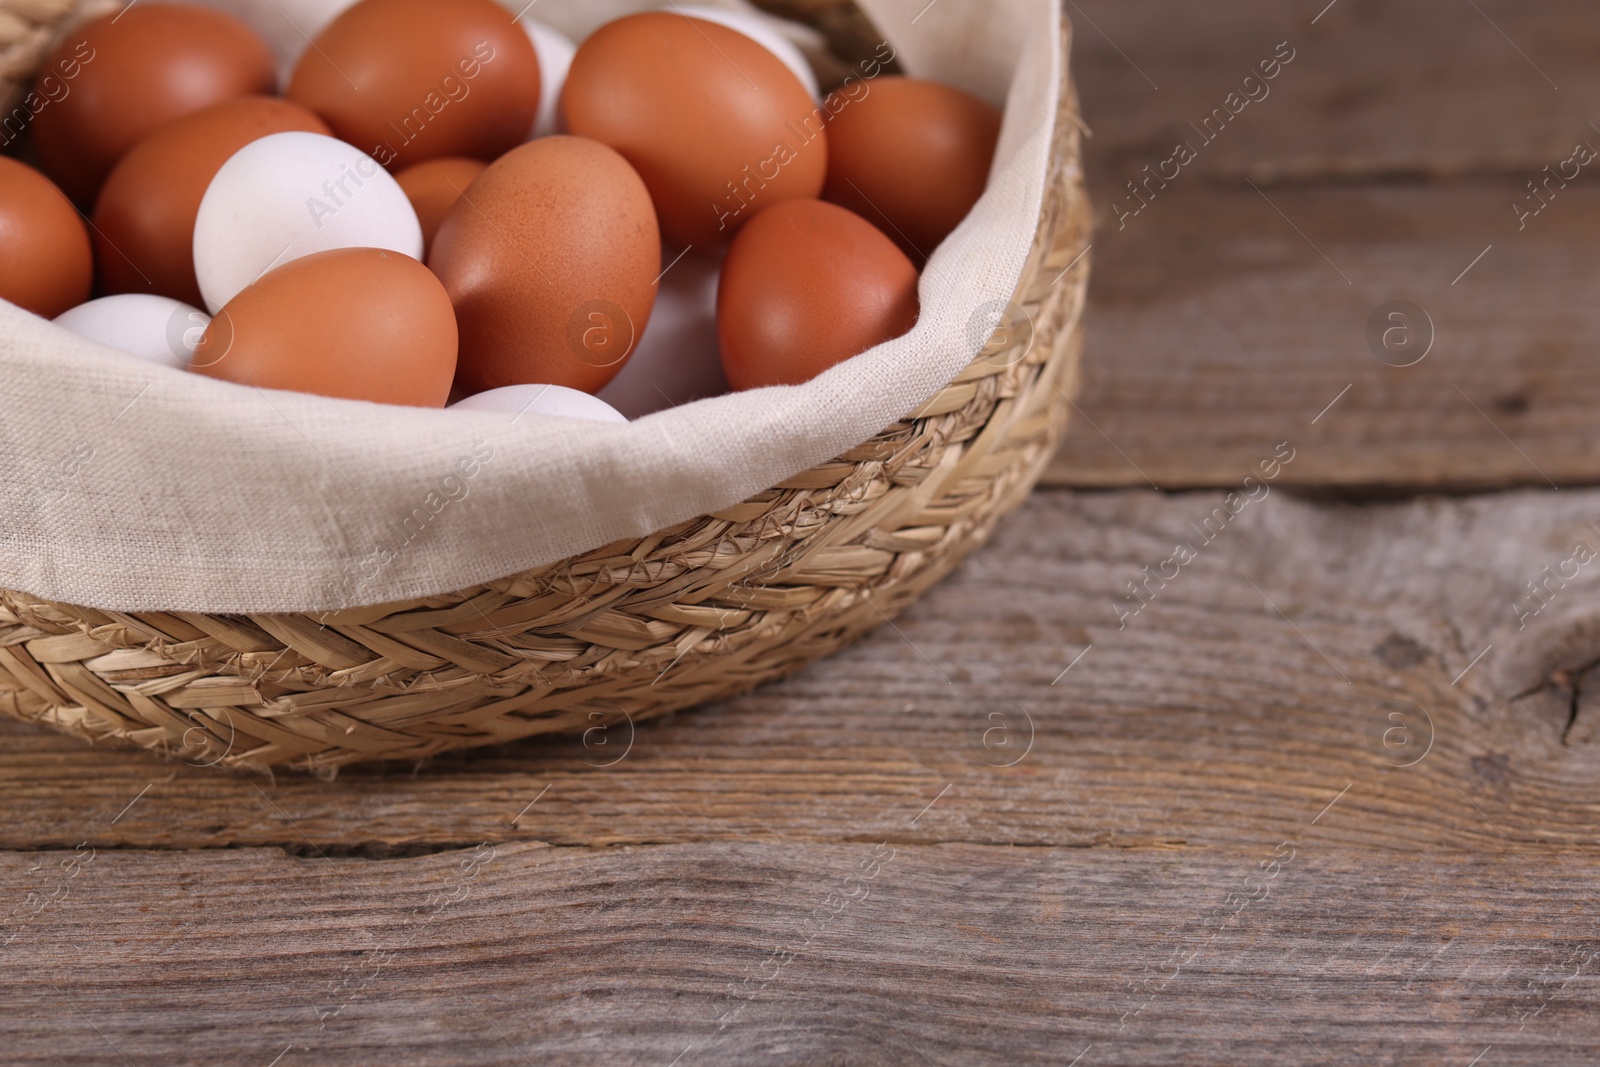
{"x": 693, "y": 613}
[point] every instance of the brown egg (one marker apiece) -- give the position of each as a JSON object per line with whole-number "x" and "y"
{"x": 807, "y": 285}
{"x": 45, "y": 265}
{"x": 360, "y": 323}
{"x": 910, "y": 156}
{"x": 410, "y": 80}
{"x": 716, "y": 125}
{"x": 134, "y": 72}
{"x": 144, "y": 217}
{"x": 550, "y": 260}
{"x": 434, "y": 187}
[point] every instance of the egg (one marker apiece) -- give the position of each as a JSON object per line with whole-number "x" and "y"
{"x": 144, "y": 217}
{"x": 434, "y": 187}
{"x": 126, "y": 75}
{"x": 761, "y": 29}
{"x": 412, "y": 80}
{"x": 806, "y": 286}
{"x": 156, "y": 328}
{"x": 716, "y": 125}
{"x": 46, "y": 266}
{"x": 676, "y": 359}
{"x": 555, "y": 50}
{"x": 359, "y": 323}
{"x": 557, "y": 400}
{"x": 889, "y": 135}
{"x": 287, "y": 195}
{"x": 550, "y": 260}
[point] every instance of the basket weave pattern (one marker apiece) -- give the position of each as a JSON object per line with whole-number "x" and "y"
{"x": 697, "y": 612}
{"x": 28, "y": 29}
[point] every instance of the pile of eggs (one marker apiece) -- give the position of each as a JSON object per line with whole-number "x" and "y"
{"x": 450, "y": 203}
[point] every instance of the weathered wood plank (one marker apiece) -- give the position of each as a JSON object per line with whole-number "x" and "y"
{"x": 1216, "y": 329}
{"x": 1420, "y": 89}
{"x": 1215, "y": 326}
{"x": 1289, "y": 949}
{"x": 1193, "y": 725}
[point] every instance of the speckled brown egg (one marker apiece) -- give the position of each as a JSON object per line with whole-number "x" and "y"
{"x": 132, "y": 73}
{"x": 550, "y": 259}
{"x": 717, "y": 126}
{"x": 144, "y": 217}
{"x": 434, "y": 187}
{"x": 358, "y": 323}
{"x": 45, "y": 264}
{"x": 808, "y": 285}
{"x": 411, "y": 80}
{"x": 910, "y": 156}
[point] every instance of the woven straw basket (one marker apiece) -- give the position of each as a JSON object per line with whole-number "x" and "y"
{"x": 697, "y": 612}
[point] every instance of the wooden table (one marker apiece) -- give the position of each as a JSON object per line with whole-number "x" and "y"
{"x": 1329, "y": 791}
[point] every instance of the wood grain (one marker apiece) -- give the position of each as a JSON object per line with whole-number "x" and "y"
{"x": 1215, "y": 328}
{"x": 1192, "y": 727}
{"x": 1423, "y": 89}
{"x": 1290, "y": 949}
{"x": 1386, "y": 156}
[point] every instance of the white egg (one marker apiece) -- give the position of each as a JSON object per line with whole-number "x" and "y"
{"x": 288, "y": 195}
{"x": 555, "y": 400}
{"x": 156, "y": 328}
{"x": 763, "y": 31}
{"x": 676, "y": 359}
{"x": 555, "y": 51}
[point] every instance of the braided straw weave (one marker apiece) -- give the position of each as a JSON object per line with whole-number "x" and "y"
{"x": 27, "y": 30}
{"x": 697, "y": 612}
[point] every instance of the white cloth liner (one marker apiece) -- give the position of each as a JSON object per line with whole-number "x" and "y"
{"x": 132, "y": 487}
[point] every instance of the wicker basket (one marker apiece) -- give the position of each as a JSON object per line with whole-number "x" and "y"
{"x": 697, "y": 612}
